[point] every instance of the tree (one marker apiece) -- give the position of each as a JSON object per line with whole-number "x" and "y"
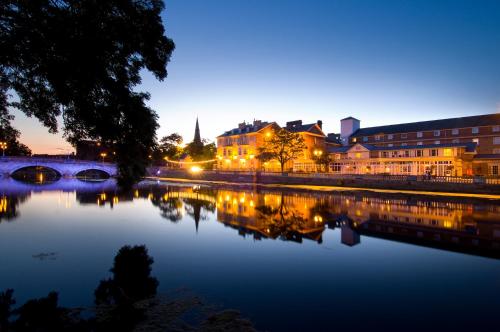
{"x": 201, "y": 151}
{"x": 8, "y": 134}
{"x": 321, "y": 158}
{"x": 131, "y": 280}
{"x": 169, "y": 147}
{"x": 81, "y": 59}
{"x": 282, "y": 146}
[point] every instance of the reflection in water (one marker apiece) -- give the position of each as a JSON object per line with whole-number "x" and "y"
{"x": 36, "y": 175}
{"x": 458, "y": 224}
{"x": 9, "y": 206}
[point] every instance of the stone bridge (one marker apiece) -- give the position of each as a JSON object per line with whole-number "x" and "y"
{"x": 65, "y": 167}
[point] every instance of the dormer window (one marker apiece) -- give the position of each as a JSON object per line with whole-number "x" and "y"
{"x": 378, "y": 137}
{"x": 475, "y": 130}
{"x": 437, "y": 133}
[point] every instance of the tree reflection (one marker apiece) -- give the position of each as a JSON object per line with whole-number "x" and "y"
{"x": 9, "y": 206}
{"x": 170, "y": 208}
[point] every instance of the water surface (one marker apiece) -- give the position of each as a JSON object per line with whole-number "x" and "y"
{"x": 289, "y": 260}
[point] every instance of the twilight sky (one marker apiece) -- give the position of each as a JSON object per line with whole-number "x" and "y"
{"x": 383, "y": 61}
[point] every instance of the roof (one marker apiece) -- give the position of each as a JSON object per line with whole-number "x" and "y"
{"x": 469, "y": 147}
{"x": 349, "y": 118}
{"x": 247, "y": 128}
{"x": 464, "y": 122}
{"x": 487, "y": 156}
{"x": 310, "y": 128}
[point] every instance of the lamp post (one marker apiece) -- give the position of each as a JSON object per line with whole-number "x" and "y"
{"x": 3, "y": 146}
{"x": 103, "y": 155}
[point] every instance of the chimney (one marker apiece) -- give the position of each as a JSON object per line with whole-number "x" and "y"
{"x": 348, "y": 126}
{"x": 242, "y": 125}
{"x": 293, "y": 124}
{"x": 320, "y": 124}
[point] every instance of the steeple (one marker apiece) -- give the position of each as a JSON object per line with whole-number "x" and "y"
{"x": 197, "y": 136}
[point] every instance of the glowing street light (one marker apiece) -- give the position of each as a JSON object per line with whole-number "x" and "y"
{"x": 3, "y": 146}
{"x": 103, "y": 155}
{"x": 196, "y": 169}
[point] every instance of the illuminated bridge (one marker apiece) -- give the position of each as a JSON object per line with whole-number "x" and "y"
{"x": 64, "y": 167}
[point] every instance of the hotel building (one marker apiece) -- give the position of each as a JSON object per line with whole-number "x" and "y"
{"x": 237, "y": 148}
{"x": 448, "y": 147}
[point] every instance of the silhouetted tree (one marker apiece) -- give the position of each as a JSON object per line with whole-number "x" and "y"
{"x": 6, "y": 303}
{"x": 282, "y": 146}
{"x": 40, "y": 315}
{"x": 81, "y": 60}
{"x": 131, "y": 280}
{"x": 8, "y": 134}
{"x": 169, "y": 146}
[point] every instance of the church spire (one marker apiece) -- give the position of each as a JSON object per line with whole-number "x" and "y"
{"x": 197, "y": 136}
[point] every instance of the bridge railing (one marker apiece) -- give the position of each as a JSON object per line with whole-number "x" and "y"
{"x": 52, "y": 160}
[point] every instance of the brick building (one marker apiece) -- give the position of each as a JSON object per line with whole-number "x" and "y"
{"x": 474, "y": 142}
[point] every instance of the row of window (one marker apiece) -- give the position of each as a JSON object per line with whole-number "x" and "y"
{"x": 416, "y": 153}
{"x": 420, "y": 134}
{"x": 228, "y": 152}
{"x": 242, "y": 140}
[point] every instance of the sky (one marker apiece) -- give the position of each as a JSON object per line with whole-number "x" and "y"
{"x": 381, "y": 61}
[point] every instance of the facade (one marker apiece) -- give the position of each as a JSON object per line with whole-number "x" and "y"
{"x": 237, "y": 149}
{"x": 447, "y": 147}
{"x": 454, "y": 159}
{"x": 315, "y": 141}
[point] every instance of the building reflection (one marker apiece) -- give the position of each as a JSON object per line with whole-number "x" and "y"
{"x": 452, "y": 223}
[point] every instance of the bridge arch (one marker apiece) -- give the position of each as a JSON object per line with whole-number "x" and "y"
{"x": 93, "y": 173}
{"x": 36, "y": 173}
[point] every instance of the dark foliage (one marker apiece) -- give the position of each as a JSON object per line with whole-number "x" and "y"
{"x": 6, "y": 303}
{"x": 131, "y": 280}
{"x": 40, "y": 315}
{"x": 81, "y": 59}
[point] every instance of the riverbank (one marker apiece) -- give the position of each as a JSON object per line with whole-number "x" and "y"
{"x": 322, "y": 183}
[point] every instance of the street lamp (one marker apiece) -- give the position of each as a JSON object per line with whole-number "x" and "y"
{"x": 103, "y": 155}
{"x": 3, "y": 146}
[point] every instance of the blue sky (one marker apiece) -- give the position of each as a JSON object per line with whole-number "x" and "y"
{"x": 381, "y": 61}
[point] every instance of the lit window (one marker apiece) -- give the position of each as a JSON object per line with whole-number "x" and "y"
{"x": 377, "y": 137}
{"x": 496, "y": 129}
{"x": 420, "y": 143}
{"x": 454, "y": 131}
{"x": 354, "y": 140}
{"x": 476, "y": 140}
{"x": 390, "y": 136}
{"x": 358, "y": 155}
{"x": 496, "y": 140}
{"x": 404, "y": 144}
{"x": 437, "y": 142}
{"x": 448, "y": 152}
{"x": 420, "y": 134}
{"x": 456, "y": 140}
{"x": 390, "y": 145}
{"x": 437, "y": 133}
{"x": 404, "y": 135}
{"x": 475, "y": 130}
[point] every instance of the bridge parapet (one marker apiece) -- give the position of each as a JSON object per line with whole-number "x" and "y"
{"x": 65, "y": 167}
